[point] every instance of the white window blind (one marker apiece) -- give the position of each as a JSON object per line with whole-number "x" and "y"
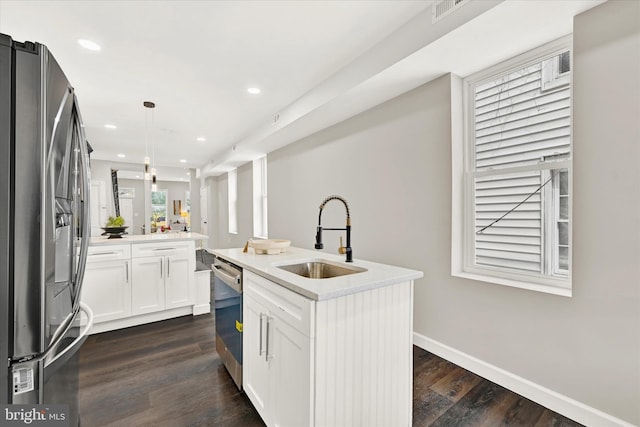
{"x": 518, "y": 156}
{"x": 517, "y": 123}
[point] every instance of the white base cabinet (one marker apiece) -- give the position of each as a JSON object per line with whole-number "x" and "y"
{"x": 342, "y": 361}
{"x": 147, "y": 295}
{"x": 276, "y": 358}
{"x": 162, "y": 276}
{"x": 109, "y": 272}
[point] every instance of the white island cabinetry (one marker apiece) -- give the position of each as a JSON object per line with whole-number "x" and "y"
{"x": 326, "y": 352}
{"x": 277, "y": 352}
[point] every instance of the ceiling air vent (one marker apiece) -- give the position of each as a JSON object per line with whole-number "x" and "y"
{"x": 442, "y": 8}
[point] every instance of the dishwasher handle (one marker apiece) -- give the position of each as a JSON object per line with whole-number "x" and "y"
{"x": 229, "y": 275}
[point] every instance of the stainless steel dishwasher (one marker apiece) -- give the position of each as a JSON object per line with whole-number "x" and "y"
{"x": 227, "y": 295}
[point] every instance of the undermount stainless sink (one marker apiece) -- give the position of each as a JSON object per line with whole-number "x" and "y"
{"x": 319, "y": 269}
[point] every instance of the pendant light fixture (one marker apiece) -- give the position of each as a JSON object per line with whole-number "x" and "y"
{"x": 150, "y": 106}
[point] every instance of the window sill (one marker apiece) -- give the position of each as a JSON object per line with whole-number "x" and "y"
{"x": 537, "y": 287}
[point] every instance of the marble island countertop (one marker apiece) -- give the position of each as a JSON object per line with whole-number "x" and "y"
{"x": 376, "y": 275}
{"x": 147, "y": 238}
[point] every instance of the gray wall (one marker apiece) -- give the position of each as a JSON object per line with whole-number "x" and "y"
{"x": 393, "y": 164}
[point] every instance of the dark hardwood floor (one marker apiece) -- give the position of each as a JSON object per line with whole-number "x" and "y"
{"x": 169, "y": 374}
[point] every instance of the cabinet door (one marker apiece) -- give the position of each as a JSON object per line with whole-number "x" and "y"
{"x": 178, "y": 286}
{"x": 291, "y": 368}
{"x": 147, "y": 292}
{"x": 255, "y": 375}
{"x": 107, "y": 289}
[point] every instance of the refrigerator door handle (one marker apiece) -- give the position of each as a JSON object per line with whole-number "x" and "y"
{"x": 86, "y": 207}
{"x": 66, "y": 354}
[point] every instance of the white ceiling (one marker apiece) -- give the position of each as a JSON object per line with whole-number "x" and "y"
{"x": 317, "y": 62}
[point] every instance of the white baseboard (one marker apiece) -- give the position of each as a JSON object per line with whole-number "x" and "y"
{"x": 555, "y": 401}
{"x": 201, "y": 309}
{"x": 141, "y": 319}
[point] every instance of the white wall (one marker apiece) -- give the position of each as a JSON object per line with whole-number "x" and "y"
{"x": 393, "y": 164}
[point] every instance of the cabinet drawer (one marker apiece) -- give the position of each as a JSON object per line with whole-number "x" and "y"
{"x": 287, "y": 305}
{"x": 160, "y": 249}
{"x": 108, "y": 253}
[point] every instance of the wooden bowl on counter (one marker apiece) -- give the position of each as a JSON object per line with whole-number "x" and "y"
{"x": 270, "y": 246}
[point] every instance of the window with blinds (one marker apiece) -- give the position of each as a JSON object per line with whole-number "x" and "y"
{"x": 518, "y": 168}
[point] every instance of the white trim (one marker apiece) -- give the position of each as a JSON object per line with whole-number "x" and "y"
{"x": 260, "y": 226}
{"x": 142, "y": 319}
{"x": 515, "y": 283}
{"x": 525, "y": 59}
{"x": 548, "y": 398}
{"x": 458, "y": 187}
{"x": 201, "y": 309}
{"x": 232, "y": 200}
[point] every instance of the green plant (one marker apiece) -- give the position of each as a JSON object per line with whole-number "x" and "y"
{"x": 115, "y": 222}
{"x": 155, "y": 216}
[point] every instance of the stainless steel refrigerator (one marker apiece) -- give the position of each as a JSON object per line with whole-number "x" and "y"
{"x": 44, "y": 229}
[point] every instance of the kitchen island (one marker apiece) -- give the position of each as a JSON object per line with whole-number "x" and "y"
{"x": 140, "y": 279}
{"x": 329, "y": 351}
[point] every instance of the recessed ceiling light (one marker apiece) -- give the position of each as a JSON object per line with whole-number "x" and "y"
{"x": 88, "y": 44}
{"x": 183, "y": 161}
{"x": 201, "y": 139}
{"x": 254, "y": 90}
{"x": 122, "y": 155}
{"x": 110, "y": 126}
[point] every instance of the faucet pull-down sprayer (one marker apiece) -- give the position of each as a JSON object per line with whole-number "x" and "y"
{"x": 343, "y": 250}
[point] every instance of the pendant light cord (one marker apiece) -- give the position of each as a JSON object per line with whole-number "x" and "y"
{"x": 146, "y": 129}
{"x": 153, "y": 145}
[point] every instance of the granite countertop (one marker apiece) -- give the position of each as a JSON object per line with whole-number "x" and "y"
{"x": 376, "y": 276}
{"x": 147, "y": 238}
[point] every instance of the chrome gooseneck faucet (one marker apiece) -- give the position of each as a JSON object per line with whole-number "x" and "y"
{"x": 343, "y": 250}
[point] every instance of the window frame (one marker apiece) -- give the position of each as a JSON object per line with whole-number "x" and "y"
{"x": 260, "y": 198}
{"x": 464, "y": 174}
{"x": 165, "y": 206}
{"x": 232, "y": 197}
